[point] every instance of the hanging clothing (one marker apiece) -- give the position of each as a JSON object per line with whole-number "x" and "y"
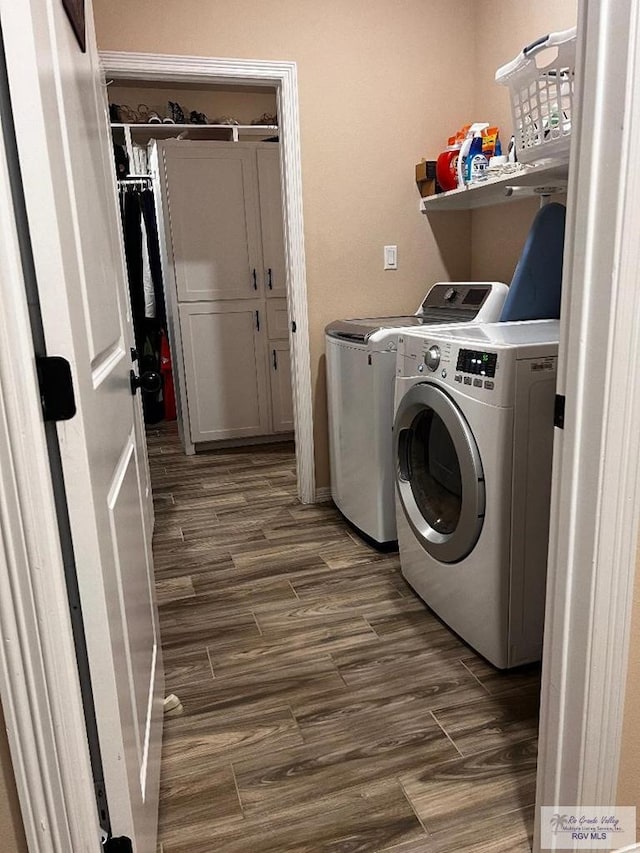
{"x": 144, "y": 271}
{"x": 147, "y": 280}
{"x": 153, "y": 244}
{"x": 133, "y": 254}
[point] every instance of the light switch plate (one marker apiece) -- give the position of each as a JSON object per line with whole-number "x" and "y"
{"x": 391, "y": 257}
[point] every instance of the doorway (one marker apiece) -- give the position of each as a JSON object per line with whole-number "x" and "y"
{"x": 265, "y": 77}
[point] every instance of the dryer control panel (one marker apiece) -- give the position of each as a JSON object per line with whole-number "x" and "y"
{"x": 481, "y": 373}
{"x": 467, "y": 361}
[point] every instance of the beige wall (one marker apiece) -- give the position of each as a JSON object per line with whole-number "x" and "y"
{"x": 380, "y": 87}
{"x": 498, "y": 233}
{"x": 244, "y": 106}
{"x": 377, "y": 93}
{"x": 11, "y": 828}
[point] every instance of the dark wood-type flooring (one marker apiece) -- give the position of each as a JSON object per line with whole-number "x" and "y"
{"x": 325, "y": 707}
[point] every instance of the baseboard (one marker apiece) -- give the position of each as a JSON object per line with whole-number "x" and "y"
{"x": 226, "y": 443}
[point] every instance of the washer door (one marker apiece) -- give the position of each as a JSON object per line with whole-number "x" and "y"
{"x": 439, "y": 473}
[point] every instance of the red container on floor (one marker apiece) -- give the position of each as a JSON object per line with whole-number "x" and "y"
{"x": 168, "y": 390}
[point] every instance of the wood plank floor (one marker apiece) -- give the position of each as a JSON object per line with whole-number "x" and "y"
{"x": 325, "y": 708}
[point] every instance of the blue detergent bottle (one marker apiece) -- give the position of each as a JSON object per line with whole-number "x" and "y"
{"x": 476, "y": 163}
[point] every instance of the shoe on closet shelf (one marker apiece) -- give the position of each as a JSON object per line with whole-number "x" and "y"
{"x": 176, "y": 113}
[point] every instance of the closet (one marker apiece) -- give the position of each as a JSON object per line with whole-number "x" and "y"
{"x": 226, "y": 285}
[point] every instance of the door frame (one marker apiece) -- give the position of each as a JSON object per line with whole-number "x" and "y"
{"x": 596, "y": 470}
{"x": 284, "y": 77}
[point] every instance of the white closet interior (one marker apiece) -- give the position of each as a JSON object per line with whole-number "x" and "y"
{"x": 219, "y": 210}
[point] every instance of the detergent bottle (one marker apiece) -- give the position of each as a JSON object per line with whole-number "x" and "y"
{"x": 474, "y": 129}
{"x": 476, "y": 163}
{"x": 447, "y": 165}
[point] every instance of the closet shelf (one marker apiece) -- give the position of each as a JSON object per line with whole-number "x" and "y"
{"x": 232, "y": 130}
{"x": 540, "y": 179}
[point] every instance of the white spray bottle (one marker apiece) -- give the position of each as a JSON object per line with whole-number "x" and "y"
{"x": 478, "y": 127}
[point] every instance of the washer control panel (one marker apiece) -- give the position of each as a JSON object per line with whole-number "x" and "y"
{"x": 477, "y": 362}
{"x": 474, "y": 371}
{"x": 432, "y": 357}
{"x": 472, "y": 364}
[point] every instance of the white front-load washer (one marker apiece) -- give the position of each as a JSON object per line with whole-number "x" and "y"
{"x": 360, "y": 360}
{"x": 473, "y": 439}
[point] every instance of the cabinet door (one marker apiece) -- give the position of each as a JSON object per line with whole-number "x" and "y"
{"x": 281, "y": 396}
{"x": 268, "y": 160}
{"x": 213, "y": 211}
{"x": 224, "y": 360}
{"x": 277, "y": 319}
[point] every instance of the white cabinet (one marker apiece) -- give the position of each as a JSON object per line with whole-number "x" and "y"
{"x": 268, "y": 164}
{"x": 213, "y": 211}
{"x": 277, "y": 319}
{"x": 224, "y": 350}
{"x": 229, "y": 329}
{"x": 281, "y": 398}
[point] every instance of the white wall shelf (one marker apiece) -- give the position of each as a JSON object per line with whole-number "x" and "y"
{"x": 543, "y": 178}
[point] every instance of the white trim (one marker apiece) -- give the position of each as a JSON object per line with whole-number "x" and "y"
{"x": 170, "y": 291}
{"x": 282, "y": 75}
{"x": 596, "y": 494}
{"x": 38, "y": 674}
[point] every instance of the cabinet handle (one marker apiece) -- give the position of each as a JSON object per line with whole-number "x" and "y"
{"x": 255, "y": 280}
{"x": 275, "y": 360}
{"x": 270, "y": 279}
{"x": 257, "y": 321}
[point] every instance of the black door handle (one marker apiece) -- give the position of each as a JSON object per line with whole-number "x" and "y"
{"x": 257, "y": 321}
{"x": 275, "y": 360}
{"x": 270, "y": 279}
{"x": 255, "y": 280}
{"x": 150, "y": 381}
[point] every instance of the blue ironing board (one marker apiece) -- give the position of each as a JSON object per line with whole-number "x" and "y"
{"x": 536, "y": 286}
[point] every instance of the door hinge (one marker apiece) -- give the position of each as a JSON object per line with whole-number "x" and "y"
{"x": 121, "y": 844}
{"x": 558, "y": 411}
{"x": 56, "y": 388}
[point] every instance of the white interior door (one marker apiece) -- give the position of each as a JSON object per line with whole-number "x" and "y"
{"x": 271, "y": 219}
{"x": 67, "y": 171}
{"x": 211, "y": 193}
{"x": 224, "y": 360}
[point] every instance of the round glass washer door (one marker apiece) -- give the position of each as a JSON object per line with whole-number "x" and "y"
{"x": 439, "y": 473}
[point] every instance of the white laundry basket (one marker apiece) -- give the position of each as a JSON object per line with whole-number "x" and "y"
{"x": 542, "y": 96}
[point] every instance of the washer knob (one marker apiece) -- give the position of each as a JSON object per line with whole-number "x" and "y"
{"x": 450, "y": 294}
{"x": 432, "y": 357}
